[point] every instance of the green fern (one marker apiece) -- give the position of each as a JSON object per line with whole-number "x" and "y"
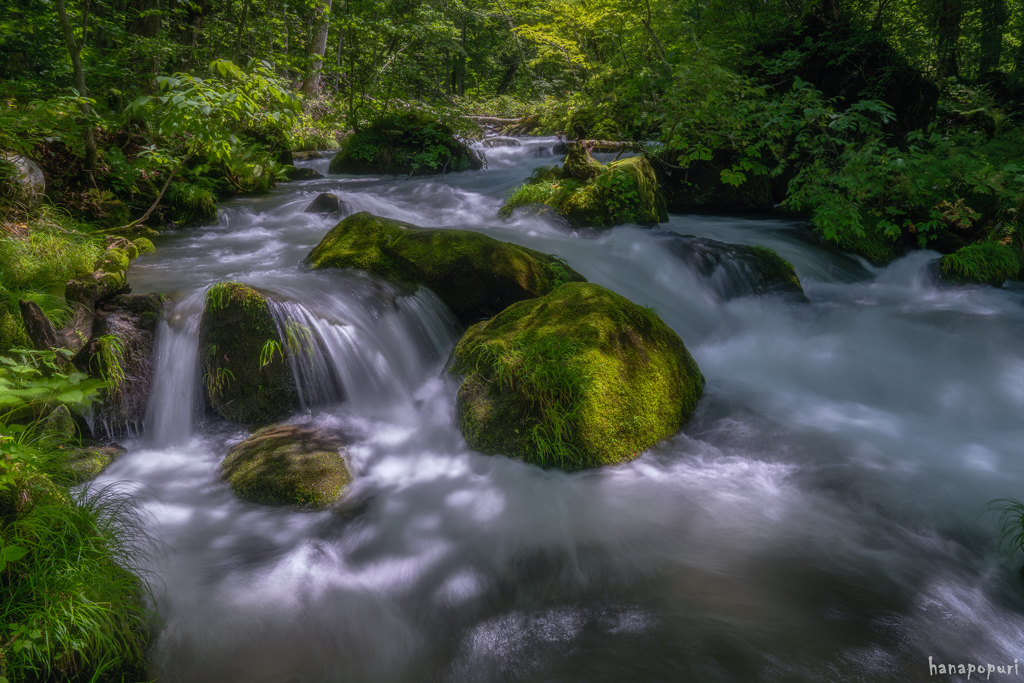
{"x": 985, "y": 262}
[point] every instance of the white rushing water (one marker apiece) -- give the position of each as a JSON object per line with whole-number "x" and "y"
{"x": 819, "y": 518}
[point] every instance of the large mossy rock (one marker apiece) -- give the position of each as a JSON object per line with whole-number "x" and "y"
{"x": 987, "y": 263}
{"x": 404, "y": 143}
{"x": 579, "y": 378}
{"x": 737, "y": 269}
{"x": 475, "y": 275}
{"x": 590, "y": 194}
{"x": 237, "y": 335}
{"x": 287, "y": 465}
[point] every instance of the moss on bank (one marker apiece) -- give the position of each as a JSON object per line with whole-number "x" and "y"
{"x": 590, "y": 194}
{"x": 475, "y": 275}
{"x": 579, "y": 378}
{"x": 287, "y": 465}
{"x": 244, "y": 382}
{"x": 989, "y": 263}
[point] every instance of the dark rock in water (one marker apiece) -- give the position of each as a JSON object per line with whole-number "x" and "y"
{"x": 501, "y": 142}
{"x": 306, "y": 156}
{"x": 121, "y": 348}
{"x": 579, "y": 378}
{"x": 561, "y": 147}
{"x": 245, "y": 373}
{"x": 304, "y": 174}
{"x": 475, "y": 275}
{"x": 736, "y": 270}
{"x": 287, "y": 465}
{"x": 328, "y": 203}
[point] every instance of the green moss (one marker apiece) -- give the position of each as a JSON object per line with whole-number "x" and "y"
{"x": 192, "y": 203}
{"x": 579, "y": 378}
{"x": 475, "y": 275}
{"x": 404, "y": 143}
{"x": 51, "y": 252}
{"x": 982, "y": 262}
{"x": 872, "y": 245}
{"x": 589, "y": 194}
{"x": 12, "y": 330}
{"x": 235, "y": 326}
{"x": 776, "y": 272}
{"x": 287, "y": 465}
{"x": 84, "y": 464}
{"x": 114, "y": 260}
{"x": 144, "y": 245}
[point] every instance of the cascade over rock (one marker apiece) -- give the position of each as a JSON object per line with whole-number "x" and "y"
{"x": 246, "y": 376}
{"x": 579, "y": 378}
{"x": 736, "y": 269}
{"x": 287, "y": 465}
{"x": 475, "y": 275}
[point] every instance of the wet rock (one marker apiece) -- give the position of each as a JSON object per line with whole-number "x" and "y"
{"x": 27, "y": 185}
{"x": 84, "y": 464}
{"x": 579, "y": 378}
{"x": 246, "y": 377}
{"x": 287, "y": 465}
{"x": 39, "y": 328}
{"x": 307, "y": 156}
{"x": 475, "y": 275}
{"x": 590, "y": 194}
{"x": 405, "y": 143}
{"x": 304, "y": 174}
{"x": 121, "y": 349}
{"x": 328, "y": 203}
{"x": 736, "y": 270}
{"x": 501, "y": 142}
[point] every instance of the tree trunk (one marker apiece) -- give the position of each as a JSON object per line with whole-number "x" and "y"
{"x": 75, "y": 50}
{"x": 949, "y": 21}
{"x": 311, "y": 85}
{"x": 993, "y": 18}
{"x": 241, "y": 32}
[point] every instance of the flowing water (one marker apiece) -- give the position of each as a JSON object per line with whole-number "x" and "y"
{"x": 818, "y": 519}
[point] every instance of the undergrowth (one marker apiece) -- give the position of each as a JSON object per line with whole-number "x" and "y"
{"x": 553, "y": 386}
{"x": 986, "y": 262}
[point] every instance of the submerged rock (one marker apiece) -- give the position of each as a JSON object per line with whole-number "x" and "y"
{"x": 304, "y": 174}
{"x": 245, "y": 374}
{"x": 736, "y": 270}
{"x": 501, "y": 142}
{"x": 405, "y": 143}
{"x": 475, "y": 275}
{"x": 328, "y": 203}
{"x": 591, "y": 194}
{"x": 307, "y": 155}
{"x": 121, "y": 349}
{"x": 287, "y": 465}
{"x": 579, "y": 378}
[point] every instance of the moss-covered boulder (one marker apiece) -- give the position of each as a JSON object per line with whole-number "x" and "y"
{"x": 80, "y": 465}
{"x": 287, "y": 465}
{"x": 736, "y": 269}
{"x": 475, "y": 275}
{"x": 242, "y": 356}
{"x": 590, "y": 194}
{"x": 579, "y": 378}
{"x": 405, "y": 143}
{"x": 989, "y": 263}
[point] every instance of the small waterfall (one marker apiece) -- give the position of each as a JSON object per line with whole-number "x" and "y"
{"x": 173, "y": 399}
{"x": 369, "y": 356}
